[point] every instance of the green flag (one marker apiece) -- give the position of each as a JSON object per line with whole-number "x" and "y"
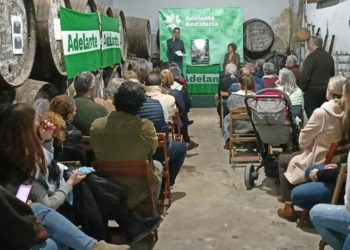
{"x": 81, "y": 41}
{"x": 111, "y": 53}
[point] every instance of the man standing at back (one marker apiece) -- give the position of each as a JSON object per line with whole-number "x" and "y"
{"x": 176, "y": 48}
{"x": 318, "y": 67}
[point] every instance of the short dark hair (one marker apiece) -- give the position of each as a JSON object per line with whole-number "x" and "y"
{"x": 153, "y": 79}
{"x": 83, "y": 82}
{"x": 129, "y": 98}
{"x": 176, "y": 28}
{"x": 233, "y": 46}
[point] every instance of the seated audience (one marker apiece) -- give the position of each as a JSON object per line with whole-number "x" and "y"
{"x": 122, "y": 136}
{"x": 130, "y": 75}
{"x": 180, "y": 103}
{"x": 259, "y": 67}
{"x": 86, "y": 109}
{"x": 291, "y": 63}
{"x": 49, "y": 186}
{"x": 269, "y": 77}
{"x": 236, "y": 100}
{"x": 176, "y": 74}
{"x": 155, "y": 91}
{"x": 38, "y": 227}
{"x": 71, "y": 149}
{"x": 176, "y": 150}
{"x": 324, "y": 128}
{"x": 259, "y": 84}
{"x": 287, "y": 83}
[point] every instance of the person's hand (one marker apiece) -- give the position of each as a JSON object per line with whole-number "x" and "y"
{"x": 42, "y": 233}
{"x": 331, "y": 166}
{"x": 75, "y": 178}
{"x": 46, "y": 130}
{"x": 29, "y": 202}
{"x": 313, "y": 174}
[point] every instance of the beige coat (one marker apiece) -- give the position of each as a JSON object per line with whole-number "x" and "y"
{"x": 323, "y": 129}
{"x": 155, "y": 92}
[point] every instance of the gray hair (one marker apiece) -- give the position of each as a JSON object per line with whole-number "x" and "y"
{"x": 112, "y": 87}
{"x": 316, "y": 40}
{"x": 251, "y": 67}
{"x": 231, "y": 70}
{"x": 260, "y": 62}
{"x": 268, "y": 68}
{"x": 176, "y": 71}
{"x": 287, "y": 80}
{"x": 293, "y": 59}
{"x": 84, "y": 82}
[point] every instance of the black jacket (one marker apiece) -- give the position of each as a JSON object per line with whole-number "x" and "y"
{"x": 318, "y": 67}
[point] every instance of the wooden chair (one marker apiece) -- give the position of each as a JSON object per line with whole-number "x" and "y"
{"x": 176, "y": 134}
{"x": 108, "y": 169}
{"x": 162, "y": 144}
{"x": 239, "y": 114}
{"x": 338, "y": 187}
{"x": 221, "y": 100}
{"x": 339, "y": 150}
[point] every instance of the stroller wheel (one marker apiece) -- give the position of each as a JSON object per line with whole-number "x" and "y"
{"x": 249, "y": 176}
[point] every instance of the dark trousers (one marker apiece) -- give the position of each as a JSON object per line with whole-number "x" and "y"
{"x": 313, "y": 99}
{"x": 285, "y": 186}
{"x": 177, "y": 154}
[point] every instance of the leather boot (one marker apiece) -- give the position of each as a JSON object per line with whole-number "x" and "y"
{"x": 286, "y": 212}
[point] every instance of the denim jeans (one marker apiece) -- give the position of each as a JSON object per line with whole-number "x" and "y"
{"x": 177, "y": 154}
{"x": 227, "y": 132}
{"x": 62, "y": 232}
{"x": 332, "y": 222}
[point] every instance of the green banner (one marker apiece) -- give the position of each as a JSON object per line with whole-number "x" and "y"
{"x": 87, "y": 45}
{"x": 216, "y": 27}
{"x": 203, "y": 79}
{"x": 111, "y": 52}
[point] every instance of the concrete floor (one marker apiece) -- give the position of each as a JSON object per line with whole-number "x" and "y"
{"x": 213, "y": 210}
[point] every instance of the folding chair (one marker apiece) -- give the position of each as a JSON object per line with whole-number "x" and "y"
{"x": 335, "y": 153}
{"x": 162, "y": 144}
{"x": 108, "y": 169}
{"x": 338, "y": 187}
{"x": 239, "y": 114}
{"x": 221, "y": 100}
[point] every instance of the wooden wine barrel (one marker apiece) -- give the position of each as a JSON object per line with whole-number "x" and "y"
{"x": 84, "y": 6}
{"x": 36, "y": 93}
{"x": 49, "y": 59}
{"x": 105, "y": 10}
{"x": 139, "y": 36}
{"x": 258, "y": 38}
{"x": 16, "y": 68}
{"x": 117, "y": 13}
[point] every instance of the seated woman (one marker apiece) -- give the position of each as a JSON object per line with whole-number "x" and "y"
{"x": 332, "y": 221}
{"x": 236, "y": 100}
{"x": 321, "y": 178}
{"x": 23, "y": 160}
{"x": 227, "y": 79}
{"x": 287, "y": 83}
{"x": 324, "y": 128}
{"x": 48, "y": 185}
{"x": 269, "y": 77}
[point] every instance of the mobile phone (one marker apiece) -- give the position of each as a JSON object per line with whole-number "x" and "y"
{"x": 23, "y": 192}
{"x": 86, "y": 170}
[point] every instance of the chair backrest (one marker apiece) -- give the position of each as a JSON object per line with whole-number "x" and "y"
{"x": 221, "y": 100}
{"x": 87, "y": 143}
{"x": 237, "y": 114}
{"x": 108, "y": 169}
{"x": 176, "y": 126}
{"x": 337, "y": 150}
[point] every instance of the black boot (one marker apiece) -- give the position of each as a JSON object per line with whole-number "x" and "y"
{"x": 142, "y": 228}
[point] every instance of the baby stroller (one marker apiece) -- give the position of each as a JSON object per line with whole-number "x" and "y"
{"x": 270, "y": 112}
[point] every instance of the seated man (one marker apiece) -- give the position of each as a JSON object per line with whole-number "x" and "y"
{"x": 87, "y": 110}
{"x": 152, "y": 110}
{"x": 122, "y": 136}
